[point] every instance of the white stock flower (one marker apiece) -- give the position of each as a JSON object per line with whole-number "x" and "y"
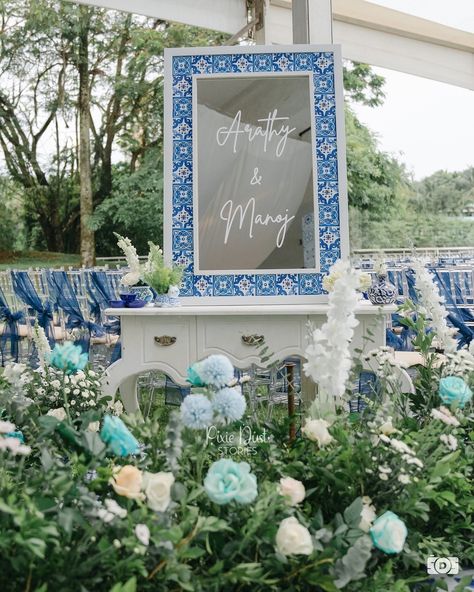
{"x": 445, "y": 415}
{"x": 450, "y": 441}
{"x": 293, "y": 538}
{"x": 365, "y": 281}
{"x": 13, "y": 373}
{"x": 142, "y": 532}
{"x": 403, "y": 478}
{"x": 433, "y": 304}
{"x": 293, "y": 490}
{"x": 115, "y": 407}
{"x": 14, "y": 446}
{"x": 317, "y": 431}
{"x": 328, "y": 355}
{"x": 157, "y": 488}
{"x": 459, "y": 363}
{"x": 367, "y": 516}
{"x": 59, "y": 413}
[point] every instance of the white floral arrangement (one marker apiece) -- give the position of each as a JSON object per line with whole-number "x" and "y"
{"x": 338, "y": 270}
{"x": 134, "y": 276}
{"x": 431, "y": 304}
{"x": 328, "y": 355}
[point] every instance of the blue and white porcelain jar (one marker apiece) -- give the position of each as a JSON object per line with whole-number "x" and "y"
{"x": 142, "y": 293}
{"x": 381, "y": 291}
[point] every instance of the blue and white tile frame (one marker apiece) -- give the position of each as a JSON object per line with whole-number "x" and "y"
{"x": 327, "y": 128}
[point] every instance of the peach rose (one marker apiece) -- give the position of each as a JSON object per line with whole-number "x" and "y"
{"x": 127, "y": 481}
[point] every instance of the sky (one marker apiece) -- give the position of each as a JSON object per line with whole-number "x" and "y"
{"x": 408, "y": 124}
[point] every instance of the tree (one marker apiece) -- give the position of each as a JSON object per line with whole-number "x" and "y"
{"x": 89, "y": 82}
{"x": 445, "y": 192}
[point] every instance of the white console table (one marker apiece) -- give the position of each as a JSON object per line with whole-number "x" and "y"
{"x": 171, "y": 339}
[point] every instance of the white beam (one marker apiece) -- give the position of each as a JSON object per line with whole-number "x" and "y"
{"x": 227, "y": 16}
{"x": 384, "y": 37}
{"x": 367, "y": 32}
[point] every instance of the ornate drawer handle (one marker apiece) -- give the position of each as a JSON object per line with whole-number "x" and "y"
{"x": 253, "y": 339}
{"x": 165, "y": 340}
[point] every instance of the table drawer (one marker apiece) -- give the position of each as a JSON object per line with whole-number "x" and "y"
{"x": 170, "y": 341}
{"x": 242, "y": 338}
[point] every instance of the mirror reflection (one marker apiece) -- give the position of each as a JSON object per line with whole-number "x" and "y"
{"x": 255, "y": 192}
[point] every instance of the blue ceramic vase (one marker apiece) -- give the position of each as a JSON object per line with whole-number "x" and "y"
{"x": 381, "y": 291}
{"x": 142, "y": 293}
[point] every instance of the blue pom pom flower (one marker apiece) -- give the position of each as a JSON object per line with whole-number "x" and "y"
{"x": 453, "y": 390}
{"x": 228, "y": 480}
{"x": 196, "y": 412}
{"x": 389, "y": 533}
{"x": 118, "y": 437}
{"x": 68, "y": 357}
{"x": 229, "y": 403}
{"x": 216, "y": 371}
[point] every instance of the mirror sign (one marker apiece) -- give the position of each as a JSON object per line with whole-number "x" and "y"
{"x": 255, "y": 175}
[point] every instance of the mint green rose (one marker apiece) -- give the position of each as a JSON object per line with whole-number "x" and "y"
{"x": 228, "y": 480}
{"x": 389, "y": 533}
{"x": 68, "y": 357}
{"x": 118, "y": 437}
{"x": 453, "y": 389}
{"x": 193, "y": 375}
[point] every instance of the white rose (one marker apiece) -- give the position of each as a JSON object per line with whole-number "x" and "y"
{"x": 6, "y": 427}
{"x": 293, "y": 490}
{"x": 293, "y": 538}
{"x": 59, "y": 413}
{"x": 387, "y": 428}
{"x": 142, "y": 532}
{"x": 115, "y": 508}
{"x": 157, "y": 488}
{"x": 94, "y": 426}
{"x": 367, "y": 516}
{"x": 317, "y": 431}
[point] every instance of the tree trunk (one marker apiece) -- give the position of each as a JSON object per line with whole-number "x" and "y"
{"x": 85, "y": 172}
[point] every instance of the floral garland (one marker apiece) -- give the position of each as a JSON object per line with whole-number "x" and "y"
{"x": 432, "y": 304}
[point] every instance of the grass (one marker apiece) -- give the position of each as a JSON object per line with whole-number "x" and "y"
{"x": 27, "y": 259}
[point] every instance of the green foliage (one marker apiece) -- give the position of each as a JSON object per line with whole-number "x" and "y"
{"x": 374, "y": 178}
{"x": 444, "y": 193}
{"x": 363, "y": 85}
{"x": 158, "y": 274}
{"x": 52, "y": 537}
{"x": 135, "y": 207}
{"x": 12, "y": 231}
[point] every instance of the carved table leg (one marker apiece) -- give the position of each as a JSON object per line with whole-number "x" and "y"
{"x": 128, "y": 393}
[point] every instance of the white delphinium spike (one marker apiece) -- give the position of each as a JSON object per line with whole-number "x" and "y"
{"x": 328, "y": 354}
{"x": 133, "y": 276}
{"x": 432, "y": 304}
{"x": 42, "y": 345}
